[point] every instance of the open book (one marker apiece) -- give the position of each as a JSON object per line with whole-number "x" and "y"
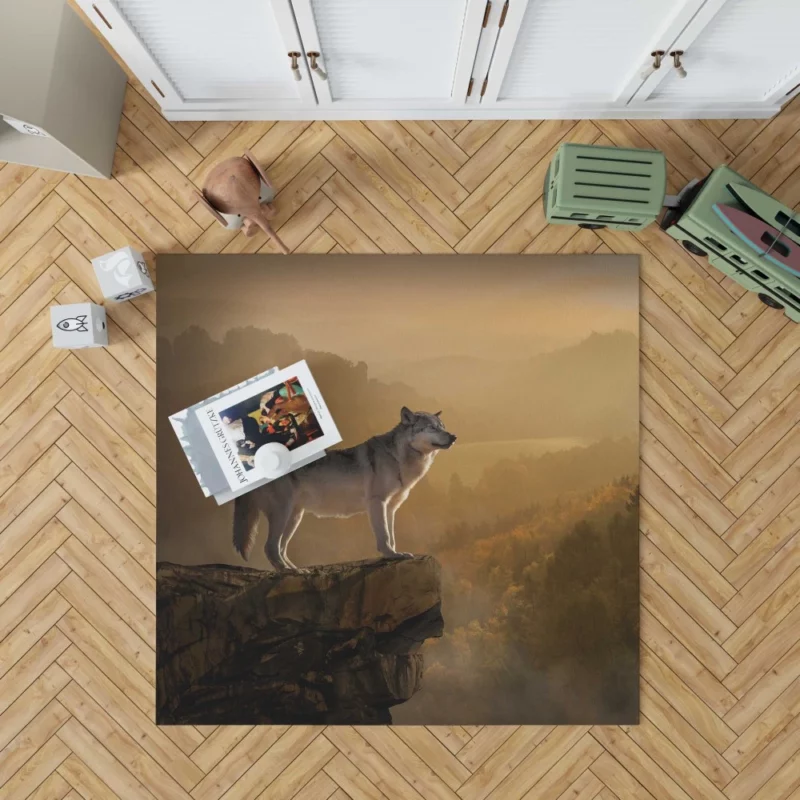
{"x": 222, "y": 434}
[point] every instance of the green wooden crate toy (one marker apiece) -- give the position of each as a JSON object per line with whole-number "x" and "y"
{"x": 605, "y": 187}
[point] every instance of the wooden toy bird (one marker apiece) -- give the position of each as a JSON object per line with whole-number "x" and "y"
{"x": 238, "y": 194}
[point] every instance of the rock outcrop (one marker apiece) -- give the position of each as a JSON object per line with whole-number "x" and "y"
{"x": 339, "y": 644}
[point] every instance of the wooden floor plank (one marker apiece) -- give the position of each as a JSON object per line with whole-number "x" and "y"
{"x": 144, "y": 153}
{"x": 685, "y": 702}
{"x": 87, "y": 567}
{"x": 295, "y": 151}
{"x": 684, "y": 556}
{"x": 37, "y": 769}
{"x": 419, "y": 161}
{"x": 764, "y": 729}
{"x": 662, "y": 426}
{"x": 12, "y": 176}
{"x": 503, "y": 762}
{"x": 209, "y": 134}
{"x": 686, "y": 629}
{"x": 763, "y": 621}
{"x": 411, "y": 189}
{"x": 677, "y": 733}
{"x": 475, "y": 134}
{"x": 385, "y": 200}
{"x": 438, "y": 144}
{"x": 98, "y": 686}
{"x": 28, "y": 525}
{"x": 773, "y": 574}
{"x": 110, "y": 444}
{"x": 109, "y": 624}
{"x": 26, "y": 198}
{"x": 103, "y": 728}
{"x": 673, "y": 657}
{"x": 30, "y": 266}
{"x": 227, "y": 772}
{"x": 494, "y": 187}
{"x": 136, "y": 108}
{"x": 683, "y": 411}
{"x": 154, "y": 199}
{"x": 36, "y": 297}
{"x": 517, "y": 198}
{"x": 118, "y": 490}
{"x": 125, "y": 564}
{"x": 79, "y": 741}
{"x": 31, "y": 629}
{"x": 696, "y": 387}
{"x": 32, "y": 737}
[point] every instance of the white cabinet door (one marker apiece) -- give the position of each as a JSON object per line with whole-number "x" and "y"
{"x": 208, "y": 54}
{"x": 388, "y": 54}
{"x": 573, "y": 54}
{"x": 737, "y": 51}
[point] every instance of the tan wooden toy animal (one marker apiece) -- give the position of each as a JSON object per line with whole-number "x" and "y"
{"x": 237, "y": 192}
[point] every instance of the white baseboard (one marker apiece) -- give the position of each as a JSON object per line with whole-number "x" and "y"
{"x": 203, "y": 112}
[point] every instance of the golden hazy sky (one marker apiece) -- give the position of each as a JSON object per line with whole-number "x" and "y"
{"x": 382, "y": 309}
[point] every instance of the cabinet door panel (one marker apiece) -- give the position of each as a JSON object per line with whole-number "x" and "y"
{"x": 207, "y": 53}
{"x": 582, "y": 51}
{"x": 748, "y": 52}
{"x": 391, "y": 52}
{"x": 572, "y": 52}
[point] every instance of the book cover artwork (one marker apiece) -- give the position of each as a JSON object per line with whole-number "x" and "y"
{"x": 279, "y": 406}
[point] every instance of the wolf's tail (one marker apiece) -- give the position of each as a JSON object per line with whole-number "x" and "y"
{"x": 245, "y": 524}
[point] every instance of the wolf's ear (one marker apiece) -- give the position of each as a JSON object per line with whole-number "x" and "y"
{"x": 438, "y": 414}
{"x": 406, "y": 416}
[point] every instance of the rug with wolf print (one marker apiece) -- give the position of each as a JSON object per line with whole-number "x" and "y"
{"x": 468, "y": 555}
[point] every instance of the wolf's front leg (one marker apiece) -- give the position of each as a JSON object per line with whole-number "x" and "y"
{"x": 378, "y": 520}
{"x": 391, "y": 511}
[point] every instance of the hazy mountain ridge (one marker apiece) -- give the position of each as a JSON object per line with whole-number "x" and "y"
{"x": 589, "y": 389}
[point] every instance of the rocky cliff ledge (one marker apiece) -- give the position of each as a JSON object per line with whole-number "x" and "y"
{"x": 338, "y": 644}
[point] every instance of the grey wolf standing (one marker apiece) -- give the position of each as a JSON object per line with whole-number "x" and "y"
{"x": 373, "y": 478}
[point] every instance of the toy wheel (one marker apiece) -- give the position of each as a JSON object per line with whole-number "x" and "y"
{"x": 770, "y": 301}
{"x": 693, "y": 248}
{"x": 592, "y": 226}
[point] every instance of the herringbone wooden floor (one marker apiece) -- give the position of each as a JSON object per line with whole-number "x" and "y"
{"x": 720, "y": 548}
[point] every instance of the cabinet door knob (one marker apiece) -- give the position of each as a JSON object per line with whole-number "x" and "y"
{"x": 295, "y": 66}
{"x": 313, "y": 56}
{"x": 676, "y": 60}
{"x": 657, "y": 55}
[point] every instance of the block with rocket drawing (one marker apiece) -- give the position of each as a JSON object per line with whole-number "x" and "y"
{"x": 78, "y": 325}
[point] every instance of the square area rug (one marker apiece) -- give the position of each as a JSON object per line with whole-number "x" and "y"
{"x": 515, "y": 600}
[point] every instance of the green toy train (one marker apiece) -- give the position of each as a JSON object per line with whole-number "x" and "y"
{"x": 696, "y": 225}
{"x": 597, "y": 187}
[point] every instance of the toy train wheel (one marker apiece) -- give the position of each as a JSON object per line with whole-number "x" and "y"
{"x": 693, "y": 248}
{"x": 592, "y": 226}
{"x": 770, "y": 301}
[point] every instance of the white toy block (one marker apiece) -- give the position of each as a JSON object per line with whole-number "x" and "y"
{"x": 122, "y": 274}
{"x": 78, "y": 325}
